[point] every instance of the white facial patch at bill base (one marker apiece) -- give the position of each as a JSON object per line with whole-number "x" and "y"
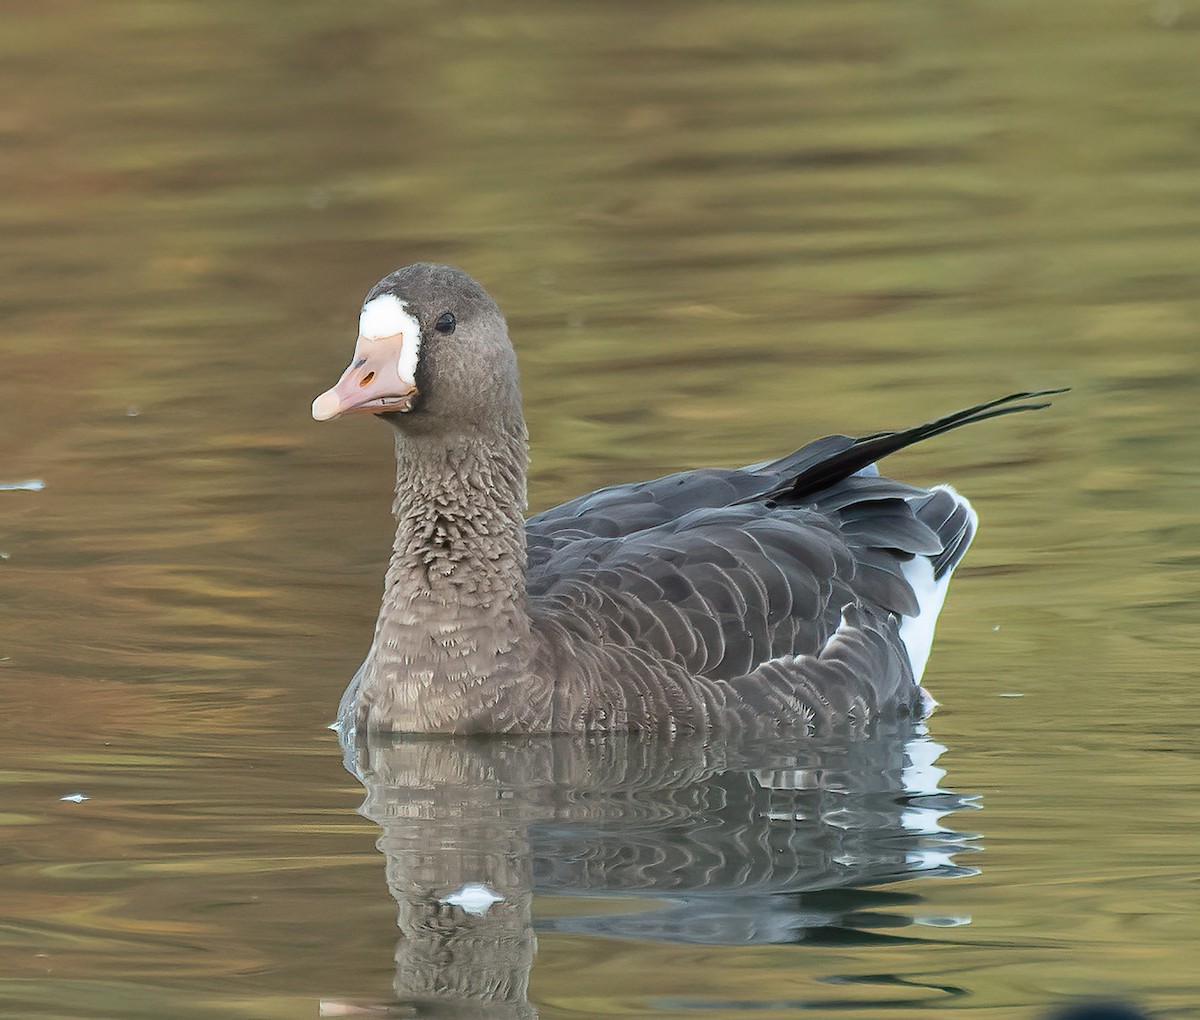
{"x": 386, "y": 316}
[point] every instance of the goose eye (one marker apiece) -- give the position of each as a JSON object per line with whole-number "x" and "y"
{"x": 446, "y": 323}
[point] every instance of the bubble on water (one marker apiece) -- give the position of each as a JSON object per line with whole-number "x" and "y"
{"x": 474, "y": 897}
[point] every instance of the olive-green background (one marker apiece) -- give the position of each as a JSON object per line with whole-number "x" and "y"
{"x": 717, "y": 230}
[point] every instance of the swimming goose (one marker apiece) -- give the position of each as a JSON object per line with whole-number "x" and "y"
{"x": 798, "y": 593}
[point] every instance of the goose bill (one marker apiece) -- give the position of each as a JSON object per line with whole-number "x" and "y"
{"x": 372, "y": 384}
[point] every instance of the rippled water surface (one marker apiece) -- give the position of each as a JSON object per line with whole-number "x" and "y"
{"x": 716, "y": 230}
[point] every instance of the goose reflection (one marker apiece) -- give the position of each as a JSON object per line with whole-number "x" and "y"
{"x": 691, "y": 840}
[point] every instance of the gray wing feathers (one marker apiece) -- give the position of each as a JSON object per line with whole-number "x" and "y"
{"x": 944, "y": 512}
{"x": 754, "y": 593}
{"x": 721, "y": 591}
{"x": 848, "y": 683}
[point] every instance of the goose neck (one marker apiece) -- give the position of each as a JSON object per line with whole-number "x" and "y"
{"x": 459, "y": 549}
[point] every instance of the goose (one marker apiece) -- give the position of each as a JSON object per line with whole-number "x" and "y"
{"x": 795, "y": 594}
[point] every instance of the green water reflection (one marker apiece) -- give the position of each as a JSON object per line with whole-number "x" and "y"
{"x": 716, "y": 231}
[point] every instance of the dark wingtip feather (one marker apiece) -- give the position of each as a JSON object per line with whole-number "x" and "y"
{"x": 868, "y": 449}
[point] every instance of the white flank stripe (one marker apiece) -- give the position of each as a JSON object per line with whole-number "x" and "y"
{"x": 917, "y": 631}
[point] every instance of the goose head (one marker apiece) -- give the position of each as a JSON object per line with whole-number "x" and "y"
{"x": 432, "y": 355}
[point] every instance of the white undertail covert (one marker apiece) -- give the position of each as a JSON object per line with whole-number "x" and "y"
{"x": 917, "y": 631}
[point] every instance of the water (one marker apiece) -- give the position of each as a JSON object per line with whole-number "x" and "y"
{"x": 643, "y": 845}
{"x": 716, "y": 231}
